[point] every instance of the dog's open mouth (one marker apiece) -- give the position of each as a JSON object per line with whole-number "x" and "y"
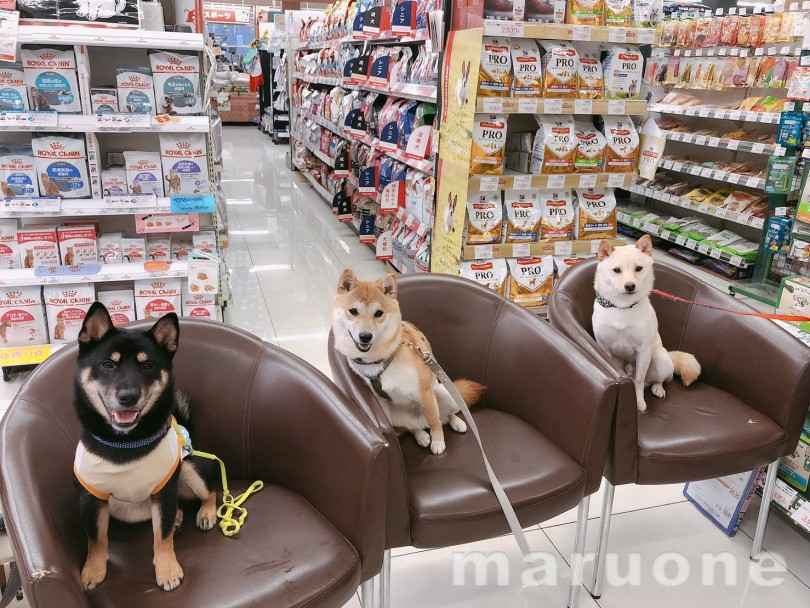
{"x": 361, "y": 346}
{"x": 125, "y": 417}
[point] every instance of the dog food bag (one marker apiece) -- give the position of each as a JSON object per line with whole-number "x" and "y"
{"x": 104, "y": 100}
{"x": 50, "y": 75}
{"x": 484, "y": 218}
{"x": 531, "y": 280}
{"x": 647, "y": 13}
{"x": 114, "y": 181}
{"x": 177, "y": 82}
{"x": 22, "y": 317}
{"x": 623, "y": 68}
{"x": 61, "y": 163}
{"x": 144, "y": 174}
{"x": 488, "y": 144}
{"x": 495, "y": 73}
{"x": 185, "y": 163}
{"x": 618, "y": 13}
{"x": 157, "y": 297}
{"x": 564, "y": 262}
{"x": 559, "y": 69}
{"x": 489, "y": 273}
{"x": 159, "y": 249}
{"x": 523, "y": 216}
{"x": 66, "y": 307}
{"x": 596, "y": 215}
{"x": 590, "y": 79}
{"x": 18, "y": 175}
{"x": 526, "y": 64}
{"x": 133, "y": 250}
{"x": 590, "y": 154}
{"x": 586, "y": 12}
{"x": 13, "y": 94}
{"x": 37, "y": 246}
{"x": 199, "y": 305}
{"x": 77, "y": 245}
{"x": 136, "y": 94}
{"x": 9, "y": 253}
{"x": 555, "y": 145}
{"x": 109, "y": 248}
{"x": 559, "y": 219}
{"x": 120, "y": 304}
{"x": 622, "y": 144}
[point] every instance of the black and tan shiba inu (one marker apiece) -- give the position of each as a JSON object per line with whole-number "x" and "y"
{"x": 129, "y": 461}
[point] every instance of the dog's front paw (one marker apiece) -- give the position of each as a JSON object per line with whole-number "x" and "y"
{"x": 658, "y": 390}
{"x": 178, "y": 520}
{"x": 422, "y": 437}
{"x": 437, "y": 446}
{"x": 641, "y": 405}
{"x": 207, "y": 517}
{"x": 168, "y": 573}
{"x": 93, "y": 573}
{"x": 458, "y": 425}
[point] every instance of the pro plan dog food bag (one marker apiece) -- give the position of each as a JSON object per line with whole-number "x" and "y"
{"x": 50, "y": 75}
{"x": 484, "y": 218}
{"x": 120, "y": 304}
{"x": 523, "y": 216}
{"x": 37, "y": 246}
{"x": 66, "y": 307}
{"x": 622, "y": 144}
{"x": 555, "y": 145}
{"x": 136, "y": 93}
{"x": 495, "y": 73}
{"x": 527, "y": 68}
{"x": 18, "y": 175}
{"x": 591, "y": 144}
{"x": 559, "y": 70}
{"x": 590, "y": 77}
{"x": 488, "y": 144}
{"x": 177, "y": 82}
{"x": 22, "y": 317}
{"x": 157, "y": 297}
{"x": 61, "y": 164}
{"x": 489, "y": 273}
{"x": 531, "y": 280}
{"x": 586, "y": 12}
{"x": 596, "y": 216}
{"x": 559, "y": 219}
{"x": 9, "y": 253}
{"x": 144, "y": 174}
{"x": 623, "y": 69}
{"x": 13, "y": 94}
{"x": 185, "y": 163}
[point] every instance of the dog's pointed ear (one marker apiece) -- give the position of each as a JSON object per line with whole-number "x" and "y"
{"x": 166, "y": 332}
{"x": 97, "y": 324}
{"x": 347, "y": 281}
{"x": 388, "y": 285}
{"x": 644, "y": 244}
{"x": 605, "y": 249}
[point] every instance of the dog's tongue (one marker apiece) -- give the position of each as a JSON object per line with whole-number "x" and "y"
{"x": 124, "y": 416}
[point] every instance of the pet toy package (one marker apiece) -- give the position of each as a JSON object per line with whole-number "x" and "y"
{"x": 177, "y": 82}
{"x": 523, "y": 216}
{"x": 77, "y": 245}
{"x": 22, "y": 317}
{"x": 18, "y": 175}
{"x": 109, "y": 248}
{"x": 144, "y": 175}
{"x": 50, "y": 74}
{"x": 185, "y": 163}
{"x": 531, "y": 280}
{"x": 61, "y": 163}
{"x": 495, "y": 74}
{"x": 485, "y": 217}
{"x": 13, "y": 94}
{"x": 488, "y": 144}
{"x": 489, "y": 273}
{"x": 37, "y": 246}
{"x": 9, "y": 254}
{"x": 136, "y": 94}
{"x": 157, "y": 297}
{"x": 120, "y": 304}
{"x": 596, "y": 217}
{"x": 66, "y": 307}
{"x": 104, "y": 100}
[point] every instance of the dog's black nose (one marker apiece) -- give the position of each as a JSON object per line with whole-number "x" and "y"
{"x": 128, "y": 397}
{"x": 629, "y": 287}
{"x": 365, "y": 337}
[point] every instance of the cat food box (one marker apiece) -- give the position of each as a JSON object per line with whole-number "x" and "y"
{"x": 181, "y": 247}
{"x": 120, "y": 304}
{"x": 159, "y": 249}
{"x": 104, "y": 100}
{"x": 157, "y": 297}
{"x": 205, "y": 242}
{"x": 22, "y": 317}
{"x": 9, "y": 252}
{"x": 38, "y": 246}
{"x": 77, "y": 245}
{"x": 199, "y": 305}
{"x": 133, "y": 250}
{"x": 66, "y": 307}
{"x": 109, "y": 248}
{"x": 114, "y": 181}
{"x": 185, "y": 163}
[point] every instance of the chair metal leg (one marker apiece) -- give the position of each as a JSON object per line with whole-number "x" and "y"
{"x": 764, "y": 509}
{"x": 385, "y": 581}
{"x": 601, "y": 547}
{"x": 367, "y": 598}
{"x": 578, "y": 554}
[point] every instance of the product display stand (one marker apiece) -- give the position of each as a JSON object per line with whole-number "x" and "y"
{"x": 274, "y": 105}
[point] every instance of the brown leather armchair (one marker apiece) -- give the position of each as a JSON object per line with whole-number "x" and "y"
{"x": 744, "y": 412}
{"x": 544, "y": 422}
{"x": 312, "y": 535}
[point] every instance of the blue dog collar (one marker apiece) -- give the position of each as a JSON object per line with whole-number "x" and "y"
{"x": 141, "y": 443}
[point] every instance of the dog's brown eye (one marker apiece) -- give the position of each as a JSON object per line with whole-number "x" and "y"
{"x": 639, "y": 268}
{"x": 107, "y": 364}
{"x": 353, "y": 312}
{"x": 617, "y": 270}
{"x": 147, "y": 365}
{"x": 378, "y": 314}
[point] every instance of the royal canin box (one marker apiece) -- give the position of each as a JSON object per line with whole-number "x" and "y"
{"x": 157, "y": 297}
{"x": 37, "y": 245}
{"x": 77, "y": 245}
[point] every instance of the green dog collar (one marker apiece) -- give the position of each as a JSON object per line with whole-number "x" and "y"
{"x": 605, "y": 303}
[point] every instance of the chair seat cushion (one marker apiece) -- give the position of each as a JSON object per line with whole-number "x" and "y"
{"x": 451, "y": 499}
{"x": 701, "y": 432}
{"x": 286, "y": 554}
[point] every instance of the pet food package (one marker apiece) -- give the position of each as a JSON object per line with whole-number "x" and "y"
{"x": 185, "y": 163}
{"x": 114, "y": 181}
{"x": 109, "y": 248}
{"x": 489, "y": 273}
{"x": 50, "y": 75}
{"x": 586, "y": 12}
{"x": 559, "y": 69}
{"x": 511, "y": 11}
{"x": 622, "y": 144}
{"x": 9, "y": 252}
{"x": 104, "y": 100}
{"x": 157, "y": 297}
{"x": 144, "y": 174}
{"x": 61, "y": 163}
{"x": 523, "y": 215}
{"x": 13, "y": 94}
{"x": 159, "y": 249}
{"x": 120, "y": 303}
{"x": 559, "y": 219}
{"x": 555, "y": 145}
{"x": 596, "y": 214}
{"x": 591, "y": 144}
{"x": 564, "y": 262}
{"x": 495, "y": 72}
{"x": 590, "y": 80}
{"x": 136, "y": 94}
{"x": 177, "y": 82}
{"x": 526, "y": 65}
{"x": 618, "y": 13}
{"x": 531, "y": 280}
{"x": 66, "y": 307}
{"x": 37, "y": 246}
{"x": 133, "y": 250}
{"x": 22, "y": 316}
{"x": 199, "y": 305}
{"x": 181, "y": 246}
{"x": 77, "y": 245}
{"x": 488, "y": 144}
{"x": 647, "y": 13}
{"x": 18, "y": 175}
{"x": 205, "y": 242}
{"x": 484, "y": 217}
{"x": 623, "y": 68}
{"x": 547, "y": 11}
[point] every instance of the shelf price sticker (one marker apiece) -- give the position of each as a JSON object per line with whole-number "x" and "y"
{"x": 802, "y": 516}
{"x": 556, "y": 181}
{"x": 753, "y": 182}
{"x": 77, "y": 270}
{"x": 703, "y": 248}
{"x": 122, "y": 120}
{"x": 31, "y": 205}
{"x": 507, "y": 29}
{"x": 617, "y": 34}
{"x": 615, "y": 180}
{"x": 680, "y": 240}
{"x": 616, "y": 106}
{"x": 193, "y": 204}
{"x": 488, "y": 184}
{"x": 582, "y": 33}
{"x": 521, "y": 250}
{"x": 646, "y": 36}
{"x": 552, "y": 106}
{"x": 493, "y": 105}
{"x": 527, "y": 106}
{"x": 522, "y": 182}
{"x": 736, "y": 260}
{"x": 131, "y": 201}
{"x": 715, "y": 253}
{"x": 45, "y": 118}
{"x": 563, "y": 248}
{"x": 587, "y": 181}
{"x": 583, "y": 106}
{"x": 758, "y": 148}
{"x": 666, "y": 235}
{"x": 483, "y": 252}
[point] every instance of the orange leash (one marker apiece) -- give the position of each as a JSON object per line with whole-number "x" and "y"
{"x": 762, "y": 315}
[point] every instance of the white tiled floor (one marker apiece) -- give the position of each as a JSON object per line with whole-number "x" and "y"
{"x": 287, "y": 251}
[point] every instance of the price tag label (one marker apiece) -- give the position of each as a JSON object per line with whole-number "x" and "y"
{"x": 757, "y": 222}
{"x": 131, "y": 201}
{"x": 615, "y": 180}
{"x": 493, "y": 105}
{"x": 734, "y": 51}
{"x": 780, "y": 211}
{"x": 513, "y": 29}
{"x": 483, "y": 252}
{"x": 703, "y": 208}
{"x": 700, "y": 140}
{"x": 527, "y": 106}
{"x": 583, "y": 106}
{"x": 522, "y": 182}
{"x": 123, "y": 121}
{"x": 636, "y": 221}
{"x": 552, "y": 106}
{"x": 752, "y": 182}
{"x": 562, "y": 248}
{"x": 778, "y": 151}
{"x": 680, "y": 239}
{"x": 710, "y": 52}
{"x": 687, "y": 53}
{"x": 758, "y": 52}
{"x": 706, "y": 172}
{"x": 617, "y": 34}
{"x": 677, "y": 52}
{"x": 616, "y": 106}
{"x": 758, "y": 148}
{"x": 721, "y": 213}
{"x": 652, "y": 228}
{"x": 703, "y": 248}
{"x": 734, "y": 178}
{"x": 587, "y": 181}
{"x": 522, "y": 250}
{"x": 721, "y": 52}
{"x": 771, "y": 50}
{"x": 695, "y": 170}
{"x": 704, "y": 112}
{"x": 743, "y": 52}
{"x": 802, "y": 516}
{"x": 582, "y": 33}
{"x": 715, "y": 253}
{"x": 646, "y": 36}
{"x": 733, "y": 144}
{"x": 28, "y": 119}
{"x": 31, "y": 205}
{"x": 677, "y": 166}
{"x": 685, "y": 202}
{"x": 556, "y": 181}
{"x": 736, "y": 260}
{"x": 666, "y": 234}
{"x": 691, "y": 244}
{"x": 714, "y": 142}
{"x": 698, "y": 52}
{"x": 691, "y": 111}
{"x": 785, "y": 50}
{"x": 488, "y": 184}
{"x": 734, "y": 114}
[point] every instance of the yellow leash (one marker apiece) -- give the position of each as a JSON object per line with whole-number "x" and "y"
{"x": 229, "y": 524}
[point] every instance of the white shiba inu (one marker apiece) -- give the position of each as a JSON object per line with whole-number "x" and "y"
{"x": 369, "y": 332}
{"x": 624, "y": 321}
{"x": 450, "y": 214}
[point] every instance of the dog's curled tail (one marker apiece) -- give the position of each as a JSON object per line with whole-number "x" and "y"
{"x": 470, "y": 391}
{"x": 686, "y": 366}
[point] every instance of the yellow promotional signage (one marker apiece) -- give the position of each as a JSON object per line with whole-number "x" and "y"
{"x": 24, "y": 355}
